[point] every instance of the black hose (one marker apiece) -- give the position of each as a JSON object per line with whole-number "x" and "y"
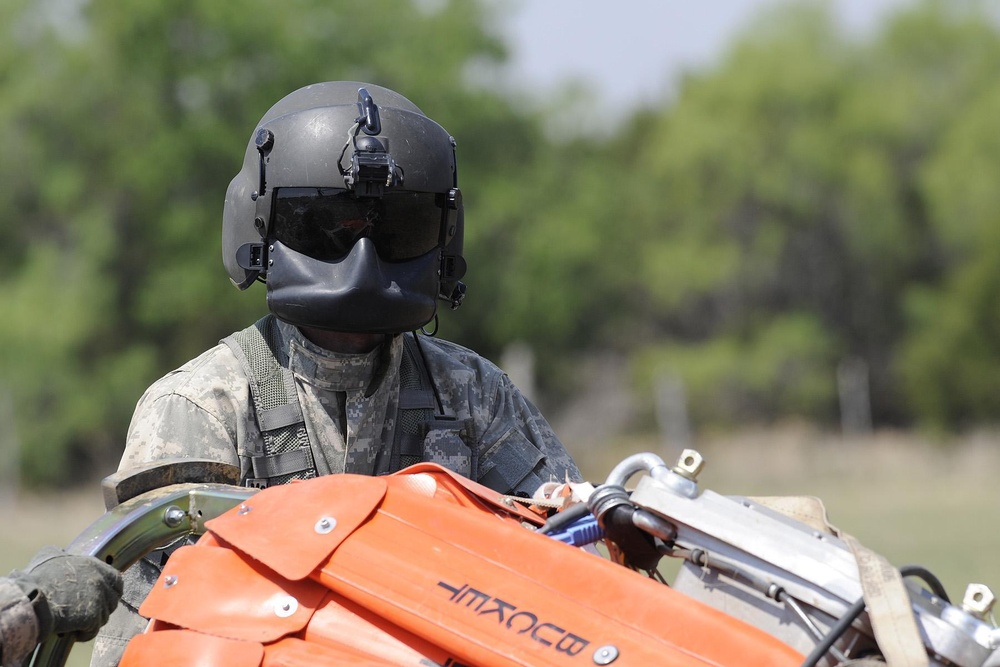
{"x": 928, "y": 578}
{"x": 562, "y": 519}
{"x": 835, "y": 633}
{"x": 852, "y": 614}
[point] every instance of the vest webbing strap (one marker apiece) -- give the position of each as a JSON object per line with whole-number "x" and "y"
{"x": 285, "y": 454}
{"x": 285, "y": 463}
{"x": 417, "y": 406}
{"x": 279, "y": 417}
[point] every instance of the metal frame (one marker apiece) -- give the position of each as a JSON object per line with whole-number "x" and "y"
{"x": 136, "y": 527}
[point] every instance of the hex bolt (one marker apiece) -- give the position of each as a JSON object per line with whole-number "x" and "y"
{"x": 170, "y": 581}
{"x": 978, "y": 600}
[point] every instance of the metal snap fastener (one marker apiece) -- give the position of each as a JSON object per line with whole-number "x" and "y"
{"x": 605, "y": 655}
{"x": 325, "y": 525}
{"x": 285, "y": 606}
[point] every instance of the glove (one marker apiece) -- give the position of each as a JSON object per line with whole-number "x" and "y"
{"x": 73, "y": 595}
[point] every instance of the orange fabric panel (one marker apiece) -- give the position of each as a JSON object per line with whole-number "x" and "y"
{"x": 263, "y": 525}
{"x": 210, "y": 540}
{"x": 338, "y": 618}
{"x": 424, "y": 568}
{"x": 215, "y": 590}
{"x": 467, "y": 493}
{"x": 183, "y": 648}
{"x": 291, "y": 652}
{"x": 494, "y": 593}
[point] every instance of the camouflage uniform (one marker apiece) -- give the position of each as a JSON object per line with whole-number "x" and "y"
{"x": 18, "y": 624}
{"x": 56, "y": 594}
{"x": 349, "y": 404}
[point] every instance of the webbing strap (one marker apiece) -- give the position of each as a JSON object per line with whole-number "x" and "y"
{"x": 279, "y": 417}
{"x": 888, "y": 602}
{"x": 889, "y": 608}
{"x": 416, "y": 407}
{"x": 285, "y": 452}
{"x": 416, "y": 399}
{"x": 296, "y": 460}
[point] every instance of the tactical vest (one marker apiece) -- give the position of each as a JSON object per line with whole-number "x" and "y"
{"x": 285, "y": 453}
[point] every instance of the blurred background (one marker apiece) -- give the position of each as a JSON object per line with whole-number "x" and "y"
{"x": 768, "y": 230}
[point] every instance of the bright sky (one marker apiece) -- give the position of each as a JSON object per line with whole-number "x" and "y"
{"x": 635, "y": 49}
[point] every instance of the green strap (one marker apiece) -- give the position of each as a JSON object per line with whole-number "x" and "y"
{"x": 415, "y": 408}
{"x": 285, "y": 453}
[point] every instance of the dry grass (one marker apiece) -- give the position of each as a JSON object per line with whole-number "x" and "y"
{"x": 910, "y": 499}
{"x": 33, "y": 521}
{"x": 914, "y": 501}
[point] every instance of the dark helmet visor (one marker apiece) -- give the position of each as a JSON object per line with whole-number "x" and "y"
{"x": 324, "y": 223}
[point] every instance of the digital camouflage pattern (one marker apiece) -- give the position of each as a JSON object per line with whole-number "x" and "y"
{"x": 57, "y": 593}
{"x": 18, "y": 624}
{"x": 349, "y": 402}
{"x": 487, "y": 431}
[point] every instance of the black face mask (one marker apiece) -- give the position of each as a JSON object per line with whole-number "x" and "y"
{"x": 325, "y": 223}
{"x": 359, "y": 293}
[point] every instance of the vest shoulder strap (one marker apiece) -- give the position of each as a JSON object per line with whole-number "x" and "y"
{"x": 284, "y": 454}
{"x": 417, "y": 406}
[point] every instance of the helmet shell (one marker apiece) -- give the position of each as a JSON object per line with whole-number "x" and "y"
{"x": 310, "y": 144}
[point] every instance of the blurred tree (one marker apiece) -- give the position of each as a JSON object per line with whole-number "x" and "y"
{"x": 812, "y": 198}
{"x": 808, "y": 177}
{"x": 950, "y": 361}
{"x": 781, "y": 369}
{"x": 124, "y": 122}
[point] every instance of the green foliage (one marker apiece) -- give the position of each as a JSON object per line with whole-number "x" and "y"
{"x": 123, "y": 129}
{"x": 809, "y": 175}
{"x": 809, "y": 199}
{"x": 777, "y": 369}
{"x": 951, "y": 363}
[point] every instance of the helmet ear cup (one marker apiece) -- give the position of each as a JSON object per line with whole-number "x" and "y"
{"x": 240, "y": 207}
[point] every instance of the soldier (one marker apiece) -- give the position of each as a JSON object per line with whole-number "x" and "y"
{"x": 57, "y": 593}
{"x": 348, "y": 209}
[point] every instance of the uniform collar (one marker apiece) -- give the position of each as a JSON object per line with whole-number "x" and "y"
{"x": 339, "y": 371}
